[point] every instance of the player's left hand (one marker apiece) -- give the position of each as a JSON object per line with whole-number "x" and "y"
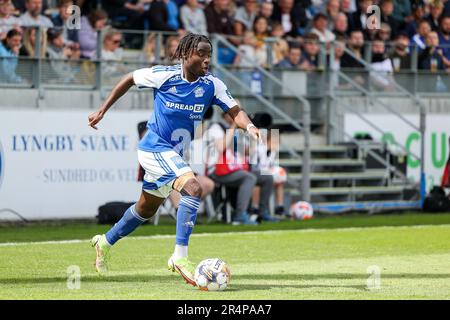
{"x": 95, "y": 118}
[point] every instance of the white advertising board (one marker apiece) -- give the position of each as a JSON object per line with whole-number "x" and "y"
{"x": 53, "y": 165}
{"x": 436, "y": 140}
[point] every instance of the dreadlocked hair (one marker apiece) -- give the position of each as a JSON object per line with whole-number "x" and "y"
{"x": 188, "y": 44}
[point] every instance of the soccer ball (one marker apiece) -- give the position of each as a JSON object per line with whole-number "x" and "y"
{"x": 279, "y": 175}
{"x": 212, "y": 275}
{"x": 301, "y": 210}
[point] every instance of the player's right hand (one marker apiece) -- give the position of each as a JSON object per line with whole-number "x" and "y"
{"x": 95, "y": 118}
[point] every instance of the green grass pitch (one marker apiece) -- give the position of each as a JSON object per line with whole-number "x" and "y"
{"x": 317, "y": 259}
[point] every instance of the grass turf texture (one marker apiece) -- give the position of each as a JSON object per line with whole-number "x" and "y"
{"x": 284, "y": 264}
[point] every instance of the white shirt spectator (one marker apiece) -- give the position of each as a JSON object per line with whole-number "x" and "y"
{"x": 26, "y": 20}
{"x": 380, "y": 72}
{"x": 326, "y": 36}
{"x": 245, "y": 18}
{"x": 9, "y": 23}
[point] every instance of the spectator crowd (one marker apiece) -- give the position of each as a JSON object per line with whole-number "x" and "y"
{"x": 283, "y": 33}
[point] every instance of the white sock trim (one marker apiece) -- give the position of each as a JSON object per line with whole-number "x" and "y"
{"x": 135, "y": 214}
{"x": 180, "y": 251}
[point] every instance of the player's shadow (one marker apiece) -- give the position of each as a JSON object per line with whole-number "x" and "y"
{"x": 89, "y": 278}
{"x": 239, "y": 286}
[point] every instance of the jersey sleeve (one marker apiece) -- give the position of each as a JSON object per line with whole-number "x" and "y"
{"x": 150, "y": 77}
{"x": 222, "y": 97}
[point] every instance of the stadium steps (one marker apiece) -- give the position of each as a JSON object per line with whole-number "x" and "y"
{"x": 325, "y": 164}
{"x": 341, "y": 182}
{"x": 325, "y": 176}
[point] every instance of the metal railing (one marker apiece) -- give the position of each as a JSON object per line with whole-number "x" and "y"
{"x": 375, "y": 98}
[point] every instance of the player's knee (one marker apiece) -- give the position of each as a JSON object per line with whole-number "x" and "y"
{"x": 193, "y": 188}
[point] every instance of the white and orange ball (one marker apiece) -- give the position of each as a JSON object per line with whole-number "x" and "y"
{"x": 301, "y": 210}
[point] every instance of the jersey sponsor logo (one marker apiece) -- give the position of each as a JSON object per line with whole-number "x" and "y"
{"x": 197, "y": 108}
{"x": 199, "y": 92}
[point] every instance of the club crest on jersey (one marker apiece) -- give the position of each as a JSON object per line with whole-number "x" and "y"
{"x": 199, "y": 92}
{"x": 173, "y": 90}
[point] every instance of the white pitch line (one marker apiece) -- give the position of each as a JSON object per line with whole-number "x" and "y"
{"x": 225, "y": 234}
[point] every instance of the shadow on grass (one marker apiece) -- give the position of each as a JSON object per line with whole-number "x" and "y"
{"x": 235, "y": 279}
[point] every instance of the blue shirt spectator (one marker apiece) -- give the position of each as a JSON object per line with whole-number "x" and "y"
{"x": 9, "y": 52}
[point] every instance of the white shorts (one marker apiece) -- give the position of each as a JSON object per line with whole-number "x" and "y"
{"x": 161, "y": 170}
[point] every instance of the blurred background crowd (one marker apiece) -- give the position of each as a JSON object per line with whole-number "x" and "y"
{"x": 283, "y": 33}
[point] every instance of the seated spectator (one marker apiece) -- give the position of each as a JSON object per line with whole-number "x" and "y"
{"x": 358, "y": 20}
{"x": 419, "y": 14}
{"x": 246, "y": 56}
{"x": 340, "y": 25}
{"x": 173, "y": 15}
{"x": 444, "y": 36}
{"x": 133, "y": 13}
{"x": 158, "y": 15}
{"x": 311, "y": 51}
{"x": 228, "y": 168}
{"x": 112, "y": 52}
{"x": 280, "y": 47}
{"x": 61, "y": 19}
{"x": 244, "y": 17}
{"x": 20, "y": 5}
{"x": 261, "y": 32}
{"x": 436, "y": 8}
{"x": 423, "y": 29}
{"x": 431, "y": 58}
{"x": 7, "y": 20}
{"x": 385, "y": 32}
{"x": 292, "y": 17}
{"x": 29, "y": 43}
{"x": 293, "y": 58}
{"x": 171, "y": 47}
{"x": 320, "y": 28}
{"x": 348, "y": 6}
{"x": 33, "y": 17}
{"x": 148, "y": 54}
{"x": 218, "y": 17}
{"x": 400, "y": 57}
{"x": 402, "y": 11}
{"x": 57, "y": 50}
{"x": 332, "y": 11}
{"x": 356, "y": 45}
{"x": 193, "y": 17}
{"x": 381, "y": 67}
{"x": 9, "y": 51}
{"x": 95, "y": 21}
{"x": 339, "y": 49}
{"x": 387, "y": 9}
{"x": 266, "y": 10}
{"x": 263, "y": 164}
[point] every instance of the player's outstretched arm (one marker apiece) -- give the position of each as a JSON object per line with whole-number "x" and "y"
{"x": 243, "y": 122}
{"x": 119, "y": 90}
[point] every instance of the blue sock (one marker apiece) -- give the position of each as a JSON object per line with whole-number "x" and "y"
{"x": 186, "y": 217}
{"x": 129, "y": 222}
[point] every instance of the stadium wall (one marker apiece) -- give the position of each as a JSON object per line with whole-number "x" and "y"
{"x": 53, "y": 166}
